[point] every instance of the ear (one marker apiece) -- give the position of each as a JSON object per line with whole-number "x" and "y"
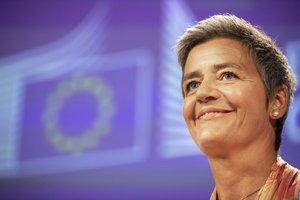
{"x": 279, "y": 103}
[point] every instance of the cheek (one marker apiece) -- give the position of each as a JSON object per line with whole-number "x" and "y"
{"x": 188, "y": 108}
{"x": 233, "y": 96}
{"x": 250, "y": 99}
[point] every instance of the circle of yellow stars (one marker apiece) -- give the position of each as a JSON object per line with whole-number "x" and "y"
{"x": 101, "y": 126}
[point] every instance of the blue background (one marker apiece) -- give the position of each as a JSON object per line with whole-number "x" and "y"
{"x": 90, "y": 98}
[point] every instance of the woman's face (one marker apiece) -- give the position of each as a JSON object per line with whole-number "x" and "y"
{"x": 225, "y": 100}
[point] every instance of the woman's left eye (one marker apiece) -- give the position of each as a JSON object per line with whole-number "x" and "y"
{"x": 228, "y": 76}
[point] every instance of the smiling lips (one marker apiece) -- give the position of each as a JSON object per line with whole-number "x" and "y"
{"x": 209, "y": 113}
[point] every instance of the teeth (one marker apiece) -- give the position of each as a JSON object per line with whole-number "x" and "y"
{"x": 209, "y": 115}
{"x": 205, "y": 115}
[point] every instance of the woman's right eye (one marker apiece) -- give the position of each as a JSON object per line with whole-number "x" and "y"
{"x": 192, "y": 86}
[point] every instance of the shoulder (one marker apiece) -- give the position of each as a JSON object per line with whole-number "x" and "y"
{"x": 288, "y": 179}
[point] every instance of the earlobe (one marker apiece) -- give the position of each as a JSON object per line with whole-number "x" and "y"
{"x": 279, "y": 103}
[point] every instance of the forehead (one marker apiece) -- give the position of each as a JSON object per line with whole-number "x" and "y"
{"x": 219, "y": 51}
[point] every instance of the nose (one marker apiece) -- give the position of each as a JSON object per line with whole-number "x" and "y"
{"x": 207, "y": 91}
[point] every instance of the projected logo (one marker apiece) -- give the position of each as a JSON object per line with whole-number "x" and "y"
{"x": 66, "y": 90}
{"x": 94, "y": 118}
{"x": 174, "y": 138}
{"x": 67, "y": 106}
{"x": 292, "y": 126}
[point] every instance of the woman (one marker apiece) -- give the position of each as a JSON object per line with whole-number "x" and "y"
{"x": 237, "y": 88}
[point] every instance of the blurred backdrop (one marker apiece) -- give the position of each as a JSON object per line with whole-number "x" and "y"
{"x": 90, "y": 98}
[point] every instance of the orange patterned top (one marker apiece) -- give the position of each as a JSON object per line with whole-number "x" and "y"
{"x": 283, "y": 183}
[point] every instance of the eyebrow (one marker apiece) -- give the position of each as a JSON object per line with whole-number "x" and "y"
{"x": 191, "y": 75}
{"x": 216, "y": 68}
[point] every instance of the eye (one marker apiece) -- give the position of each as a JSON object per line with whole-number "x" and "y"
{"x": 192, "y": 86}
{"x": 228, "y": 76}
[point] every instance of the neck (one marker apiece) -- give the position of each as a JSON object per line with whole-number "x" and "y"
{"x": 240, "y": 174}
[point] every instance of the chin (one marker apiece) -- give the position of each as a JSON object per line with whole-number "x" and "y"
{"x": 210, "y": 143}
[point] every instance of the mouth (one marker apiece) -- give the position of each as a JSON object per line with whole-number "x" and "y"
{"x": 211, "y": 115}
{"x": 207, "y": 114}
